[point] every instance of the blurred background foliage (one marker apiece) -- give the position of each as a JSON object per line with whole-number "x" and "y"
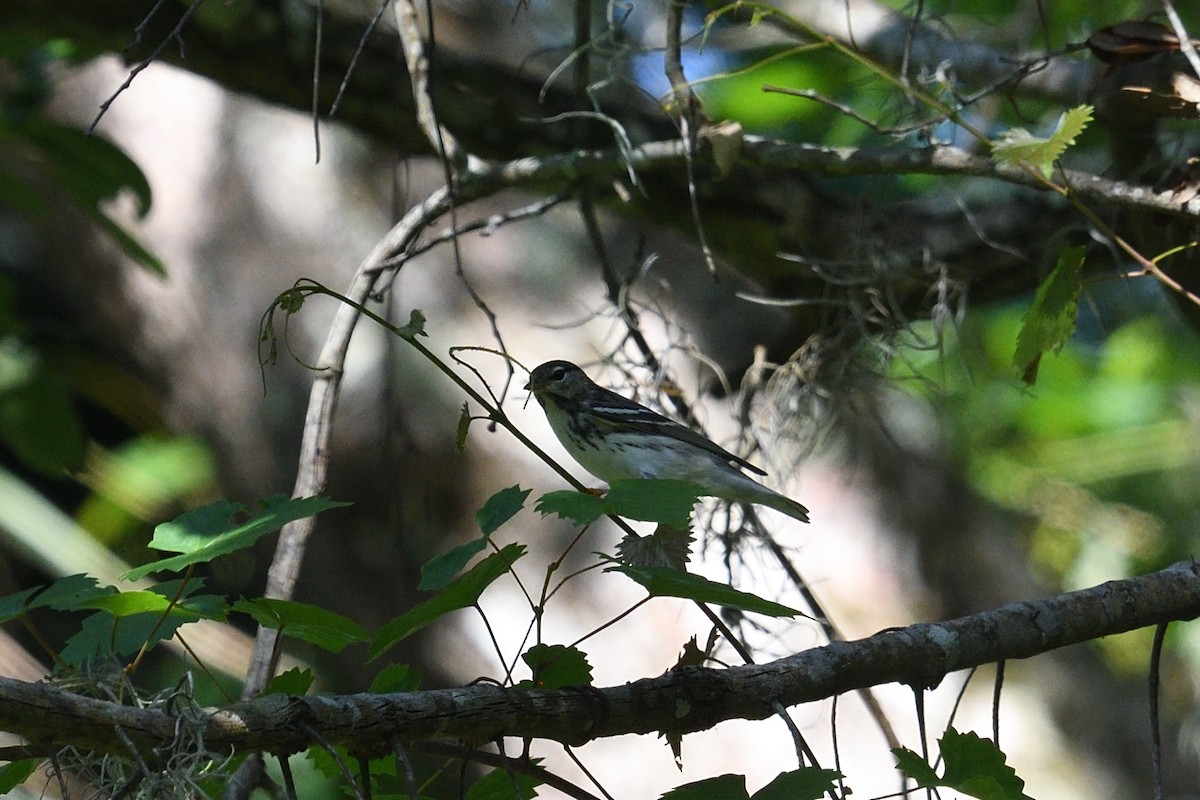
{"x": 129, "y": 389}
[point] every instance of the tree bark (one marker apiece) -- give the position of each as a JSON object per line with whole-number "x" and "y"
{"x": 681, "y": 701}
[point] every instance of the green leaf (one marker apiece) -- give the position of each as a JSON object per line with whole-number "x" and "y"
{"x": 295, "y": 681}
{"x": 91, "y": 168}
{"x": 14, "y": 605}
{"x": 70, "y": 593}
{"x": 19, "y": 196}
{"x": 915, "y": 767}
{"x": 579, "y": 507}
{"x": 415, "y": 326}
{"x": 500, "y": 508}
{"x": 206, "y": 533}
{"x": 132, "y": 247}
{"x": 1051, "y": 318}
{"x": 666, "y": 547}
{"x": 1019, "y": 145}
{"x": 502, "y": 784}
{"x": 555, "y": 666}
{"x": 129, "y": 621}
{"x": 462, "y": 592}
{"x": 309, "y": 623}
{"x": 396, "y": 678}
{"x": 722, "y": 787}
{"x": 668, "y": 582}
{"x": 807, "y": 783}
{"x": 974, "y": 767}
{"x": 102, "y": 635}
{"x": 14, "y": 773}
{"x": 37, "y": 413}
{"x": 667, "y": 502}
{"x": 438, "y": 571}
{"x": 126, "y": 604}
{"x": 464, "y": 427}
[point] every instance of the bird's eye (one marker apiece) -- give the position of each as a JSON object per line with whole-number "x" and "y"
{"x": 559, "y": 373}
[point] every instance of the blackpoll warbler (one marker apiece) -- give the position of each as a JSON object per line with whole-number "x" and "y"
{"x": 614, "y": 438}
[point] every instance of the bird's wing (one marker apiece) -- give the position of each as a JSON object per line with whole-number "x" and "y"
{"x": 614, "y": 408}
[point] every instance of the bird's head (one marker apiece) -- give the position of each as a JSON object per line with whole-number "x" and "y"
{"x": 560, "y": 381}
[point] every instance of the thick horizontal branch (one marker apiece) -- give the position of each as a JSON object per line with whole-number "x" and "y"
{"x": 680, "y": 701}
{"x": 836, "y": 162}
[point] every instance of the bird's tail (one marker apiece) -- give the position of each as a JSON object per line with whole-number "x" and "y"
{"x": 785, "y": 505}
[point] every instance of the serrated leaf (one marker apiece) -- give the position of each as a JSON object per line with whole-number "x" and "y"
{"x": 555, "y": 666}
{"x": 102, "y": 635}
{"x": 666, "y": 547}
{"x": 668, "y": 582}
{"x": 1019, "y": 145}
{"x": 579, "y": 507}
{"x": 70, "y": 593}
{"x": 501, "y": 507}
{"x": 126, "y": 604}
{"x": 463, "y": 592}
{"x": 206, "y": 533}
{"x": 396, "y": 678}
{"x": 915, "y": 767}
{"x": 667, "y": 502}
{"x": 295, "y": 681}
{"x": 807, "y": 783}
{"x": 974, "y": 767}
{"x": 722, "y": 787}
{"x": 1051, "y": 318}
{"x": 304, "y": 621}
{"x": 503, "y": 784}
{"x": 415, "y": 326}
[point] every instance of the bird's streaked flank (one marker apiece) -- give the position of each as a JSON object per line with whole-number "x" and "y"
{"x": 615, "y": 438}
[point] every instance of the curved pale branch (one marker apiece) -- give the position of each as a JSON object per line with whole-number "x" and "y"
{"x": 919, "y": 655}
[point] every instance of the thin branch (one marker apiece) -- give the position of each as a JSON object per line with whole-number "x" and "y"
{"x": 1185, "y": 40}
{"x": 997, "y": 687}
{"x": 318, "y": 422}
{"x": 174, "y": 35}
{"x": 358, "y": 51}
{"x": 409, "y": 28}
{"x": 489, "y": 179}
{"x": 319, "y": 10}
{"x": 1160, "y": 634}
{"x": 690, "y": 119}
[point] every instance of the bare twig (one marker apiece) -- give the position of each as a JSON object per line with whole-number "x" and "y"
{"x": 174, "y": 35}
{"x": 1185, "y": 40}
{"x": 362, "y": 43}
{"x": 690, "y": 118}
{"x": 319, "y": 10}
{"x": 314, "y": 446}
{"x": 1160, "y": 633}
